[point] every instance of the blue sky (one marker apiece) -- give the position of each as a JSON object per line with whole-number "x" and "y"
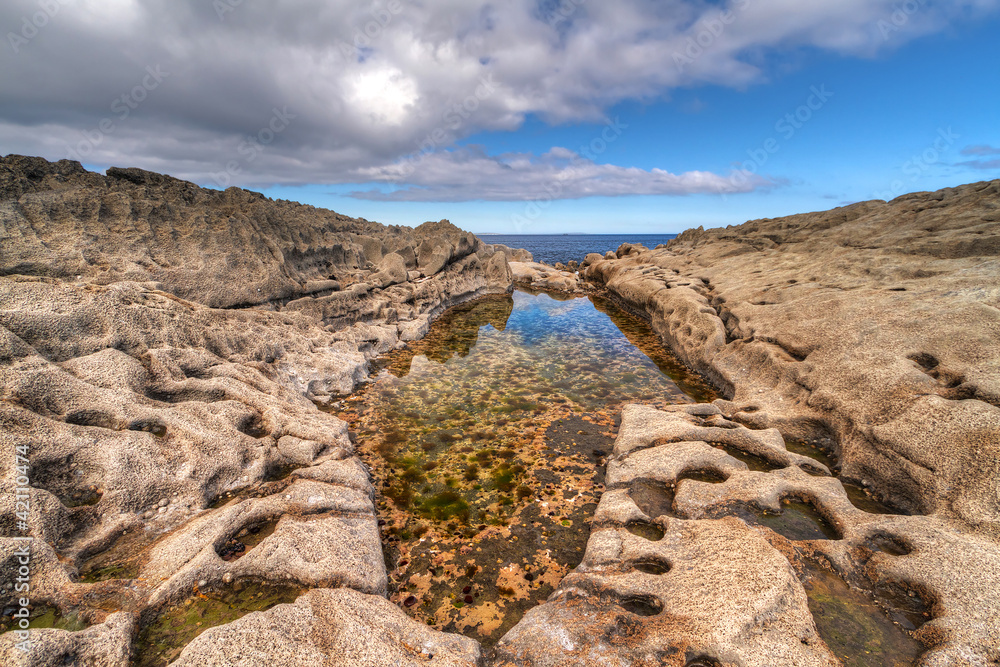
{"x": 593, "y": 120}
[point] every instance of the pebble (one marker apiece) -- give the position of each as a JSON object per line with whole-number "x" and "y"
{"x": 202, "y": 583}
{"x": 227, "y": 577}
{"x": 163, "y": 502}
{"x": 161, "y": 510}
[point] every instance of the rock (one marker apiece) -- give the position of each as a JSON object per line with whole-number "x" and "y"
{"x": 441, "y": 243}
{"x": 315, "y": 286}
{"x": 591, "y": 258}
{"x": 329, "y": 627}
{"x": 513, "y": 254}
{"x": 219, "y": 249}
{"x": 732, "y": 597}
{"x": 108, "y": 644}
{"x": 610, "y": 255}
{"x": 372, "y": 249}
{"x": 177, "y": 362}
{"x": 627, "y": 249}
{"x": 541, "y": 276}
{"x": 875, "y": 329}
{"x": 409, "y": 256}
{"x": 433, "y": 257}
{"x": 414, "y": 330}
{"x": 726, "y": 591}
{"x": 391, "y": 271}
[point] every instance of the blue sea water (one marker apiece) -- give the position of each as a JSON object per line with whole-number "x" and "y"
{"x": 552, "y": 248}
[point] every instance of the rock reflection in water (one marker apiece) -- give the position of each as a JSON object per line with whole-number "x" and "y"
{"x": 485, "y": 439}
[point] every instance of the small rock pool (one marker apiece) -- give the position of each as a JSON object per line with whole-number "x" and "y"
{"x": 487, "y": 440}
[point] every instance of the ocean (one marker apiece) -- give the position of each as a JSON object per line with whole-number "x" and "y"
{"x": 552, "y": 248}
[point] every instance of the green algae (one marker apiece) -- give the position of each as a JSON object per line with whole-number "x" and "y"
{"x": 813, "y": 451}
{"x": 858, "y": 630}
{"x": 753, "y": 461}
{"x": 798, "y": 520}
{"x": 44, "y": 617}
{"x": 124, "y": 570}
{"x": 165, "y": 636}
{"x": 645, "y": 530}
{"x": 865, "y": 501}
{"x": 482, "y": 438}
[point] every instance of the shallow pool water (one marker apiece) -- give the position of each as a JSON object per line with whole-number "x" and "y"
{"x": 162, "y": 640}
{"x": 487, "y": 439}
{"x": 859, "y": 631}
{"x": 797, "y": 520}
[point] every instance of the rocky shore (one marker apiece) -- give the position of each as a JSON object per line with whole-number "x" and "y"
{"x": 869, "y": 333}
{"x": 167, "y": 351}
{"x": 164, "y": 349}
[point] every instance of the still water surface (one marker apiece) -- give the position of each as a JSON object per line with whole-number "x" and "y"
{"x": 488, "y": 438}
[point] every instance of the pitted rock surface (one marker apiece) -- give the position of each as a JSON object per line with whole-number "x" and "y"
{"x": 163, "y": 350}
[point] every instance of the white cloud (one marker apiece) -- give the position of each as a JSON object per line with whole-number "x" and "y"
{"x": 361, "y": 111}
{"x": 470, "y": 174}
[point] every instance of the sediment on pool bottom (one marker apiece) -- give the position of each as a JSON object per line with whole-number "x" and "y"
{"x": 487, "y": 440}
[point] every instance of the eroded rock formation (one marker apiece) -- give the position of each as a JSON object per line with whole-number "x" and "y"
{"x": 872, "y": 332}
{"x": 543, "y": 277}
{"x": 164, "y": 348}
{"x": 876, "y": 326}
